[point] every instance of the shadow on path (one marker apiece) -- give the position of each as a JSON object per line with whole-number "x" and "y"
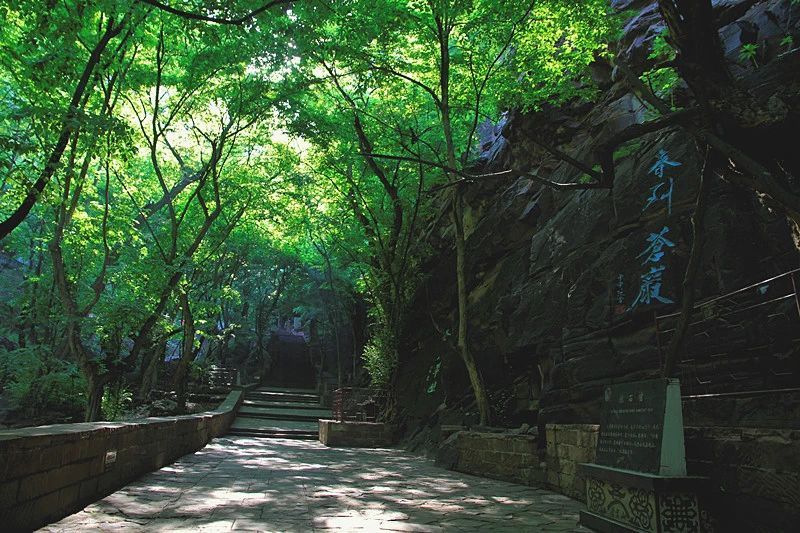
{"x": 240, "y": 483}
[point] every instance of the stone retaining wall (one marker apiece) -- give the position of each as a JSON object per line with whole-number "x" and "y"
{"x": 755, "y": 474}
{"x": 567, "y": 446}
{"x": 519, "y": 458}
{"x": 356, "y": 434}
{"x": 49, "y": 472}
{"x": 499, "y": 456}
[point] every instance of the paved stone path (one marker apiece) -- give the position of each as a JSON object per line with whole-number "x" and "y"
{"x": 241, "y": 483}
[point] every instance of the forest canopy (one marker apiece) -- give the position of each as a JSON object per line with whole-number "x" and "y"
{"x": 190, "y": 171}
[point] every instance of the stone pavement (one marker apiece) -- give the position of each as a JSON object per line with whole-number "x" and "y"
{"x": 241, "y": 483}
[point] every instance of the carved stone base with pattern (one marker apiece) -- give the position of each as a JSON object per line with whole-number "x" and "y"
{"x": 623, "y": 500}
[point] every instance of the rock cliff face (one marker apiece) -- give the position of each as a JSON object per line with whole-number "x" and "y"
{"x": 565, "y": 285}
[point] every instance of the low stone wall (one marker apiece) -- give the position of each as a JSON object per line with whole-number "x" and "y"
{"x": 521, "y": 459}
{"x": 567, "y": 446}
{"x": 49, "y": 472}
{"x": 498, "y": 456}
{"x": 755, "y": 475}
{"x": 754, "y": 472}
{"x": 355, "y": 434}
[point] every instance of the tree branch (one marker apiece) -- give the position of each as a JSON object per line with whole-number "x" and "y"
{"x": 215, "y": 20}
{"x": 504, "y": 174}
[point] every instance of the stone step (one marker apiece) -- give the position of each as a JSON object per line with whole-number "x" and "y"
{"x": 285, "y": 411}
{"x": 286, "y": 389}
{"x": 247, "y": 422}
{"x": 282, "y": 396}
{"x": 280, "y": 405}
{"x": 274, "y": 434}
{"x": 282, "y": 416}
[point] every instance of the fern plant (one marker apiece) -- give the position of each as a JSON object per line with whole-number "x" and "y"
{"x": 116, "y": 402}
{"x": 749, "y": 52}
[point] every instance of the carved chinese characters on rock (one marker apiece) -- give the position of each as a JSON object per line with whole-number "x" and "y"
{"x": 619, "y": 296}
{"x": 657, "y": 245}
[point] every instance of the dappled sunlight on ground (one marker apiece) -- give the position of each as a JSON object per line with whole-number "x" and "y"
{"x": 240, "y": 483}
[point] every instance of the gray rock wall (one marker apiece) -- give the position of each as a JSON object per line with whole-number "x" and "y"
{"x": 564, "y": 285}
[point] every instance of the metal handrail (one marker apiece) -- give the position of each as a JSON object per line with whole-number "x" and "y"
{"x": 357, "y": 404}
{"x": 790, "y": 274}
{"x": 706, "y": 319}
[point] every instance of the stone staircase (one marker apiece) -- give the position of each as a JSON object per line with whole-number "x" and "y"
{"x": 271, "y": 412}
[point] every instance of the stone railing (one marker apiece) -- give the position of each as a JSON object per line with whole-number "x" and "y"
{"x": 49, "y": 472}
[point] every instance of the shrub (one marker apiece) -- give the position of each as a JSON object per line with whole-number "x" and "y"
{"x": 39, "y": 383}
{"x": 116, "y": 402}
{"x": 380, "y": 357}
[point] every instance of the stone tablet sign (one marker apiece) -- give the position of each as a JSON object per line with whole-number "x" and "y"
{"x": 642, "y": 428}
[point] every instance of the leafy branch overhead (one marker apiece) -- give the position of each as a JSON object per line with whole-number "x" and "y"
{"x": 195, "y": 173}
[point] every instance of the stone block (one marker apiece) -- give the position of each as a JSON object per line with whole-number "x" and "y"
{"x": 578, "y": 489}
{"x": 568, "y": 468}
{"x": 537, "y": 476}
{"x": 45, "y": 482}
{"x": 87, "y": 490}
{"x": 356, "y": 434}
{"x": 553, "y": 463}
{"x": 568, "y": 436}
{"x": 109, "y": 482}
{"x": 550, "y": 435}
{"x": 572, "y": 453}
{"x": 29, "y": 515}
{"x": 511, "y": 459}
{"x": 68, "y": 497}
{"x": 566, "y": 480}
{"x": 63, "y": 453}
{"x": 553, "y": 480}
{"x": 8, "y": 493}
{"x": 28, "y": 461}
{"x": 587, "y": 438}
{"x": 525, "y": 445}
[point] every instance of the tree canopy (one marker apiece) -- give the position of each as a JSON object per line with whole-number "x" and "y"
{"x": 193, "y": 170}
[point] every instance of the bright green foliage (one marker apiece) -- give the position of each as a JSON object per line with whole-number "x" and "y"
{"x": 748, "y": 53}
{"x": 214, "y": 177}
{"x": 116, "y": 401}
{"x": 433, "y": 376}
{"x": 381, "y": 92}
{"x": 555, "y": 44}
{"x": 661, "y": 80}
{"x": 38, "y": 383}
{"x": 380, "y": 357}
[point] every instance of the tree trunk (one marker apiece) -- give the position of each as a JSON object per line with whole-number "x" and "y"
{"x": 187, "y": 351}
{"x": 355, "y": 351}
{"x": 339, "y": 369}
{"x": 151, "y": 363}
{"x": 678, "y": 341}
{"x": 95, "y": 385}
{"x": 457, "y": 215}
{"x": 475, "y": 378}
{"x": 67, "y": 125}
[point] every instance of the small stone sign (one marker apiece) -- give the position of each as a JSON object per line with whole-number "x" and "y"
{"x": 110, "y": 459}
{"x": 642, "y": 428}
